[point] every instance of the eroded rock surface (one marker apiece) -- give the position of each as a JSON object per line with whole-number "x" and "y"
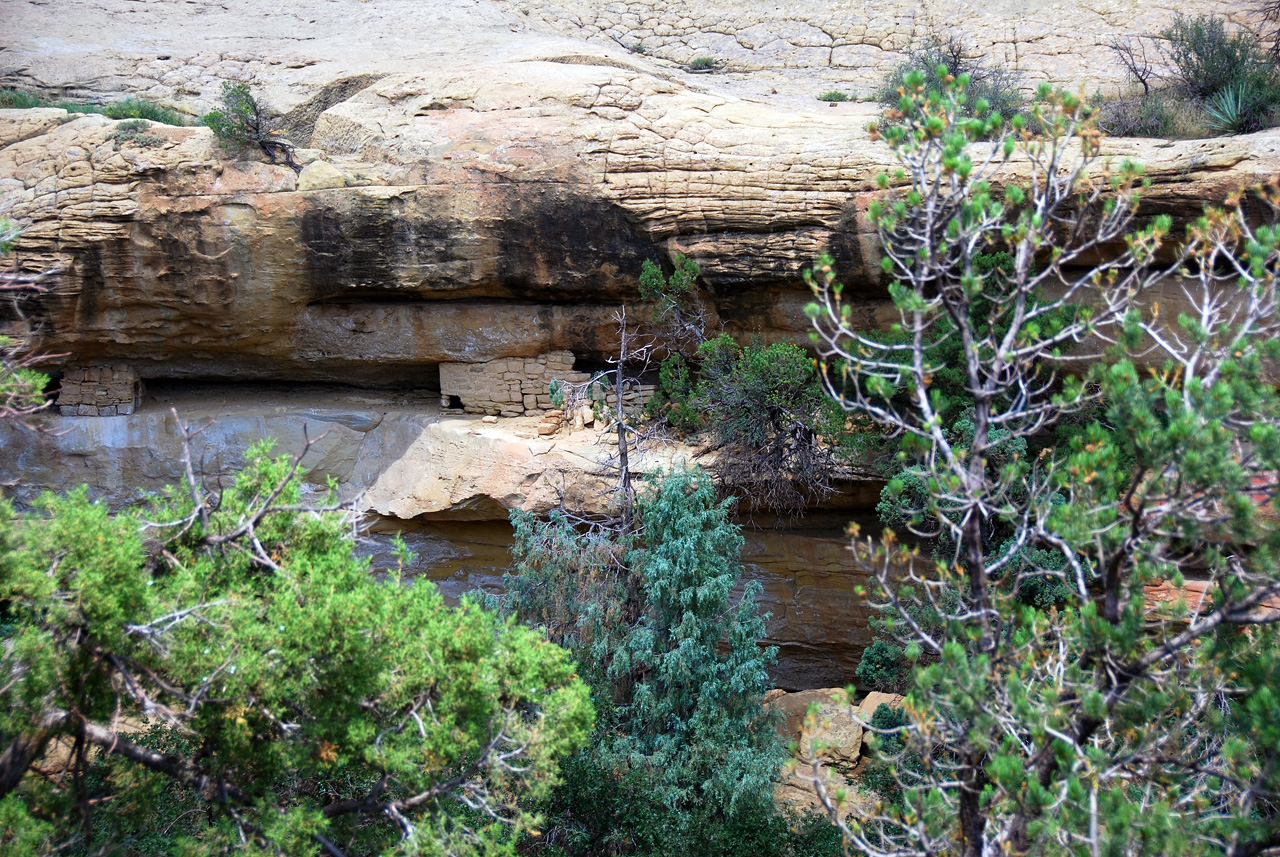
{"x": 481, "y": 181}
{"x": 308, "y": 56}
{"x": 510, "y": 224}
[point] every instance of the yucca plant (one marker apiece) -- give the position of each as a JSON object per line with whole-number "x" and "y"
{"x": 1239, "y": 109}
{"x": 1225, "y": 111}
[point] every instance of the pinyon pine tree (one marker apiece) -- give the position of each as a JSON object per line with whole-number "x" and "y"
{"x": 1123, "y": 447}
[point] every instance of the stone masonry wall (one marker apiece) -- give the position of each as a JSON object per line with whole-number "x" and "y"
{"x": 509, "y": 386}
{"x": 99, "y": 391}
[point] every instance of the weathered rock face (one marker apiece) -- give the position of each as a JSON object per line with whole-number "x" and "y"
{"x": 308, "y": 56}
{"x": 491, "y": 191}
{"x": 505, "y": 230}
{"x": 482, "y": 181}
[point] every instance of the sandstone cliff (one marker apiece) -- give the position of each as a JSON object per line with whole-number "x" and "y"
{"x": 482, "y": 181}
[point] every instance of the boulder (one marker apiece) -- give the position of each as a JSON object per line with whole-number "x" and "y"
{"x": 873, "y": 700}
{"x": 832, "y": 732}
{"x": 319, "y": 175}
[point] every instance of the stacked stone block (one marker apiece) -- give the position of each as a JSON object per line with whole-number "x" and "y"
{"x": 99, "y": 391}
{"x": 508, "y": 386}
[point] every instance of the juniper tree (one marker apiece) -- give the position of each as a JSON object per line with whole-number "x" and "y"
{"x": 1112, "y": 722}
{"x": 684, "y": 754}
{"x": 241, "y": 121}
{"x": 220, "y": 673}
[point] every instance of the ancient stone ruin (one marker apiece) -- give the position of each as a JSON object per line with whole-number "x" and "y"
{"x": 99, "y": 391}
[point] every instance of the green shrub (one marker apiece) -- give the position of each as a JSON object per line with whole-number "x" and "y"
{"x": 889, "y": 765}
{"x": 17, "y": 99}
{"x": 884, "y": 667}
{"x": 637, "y": 48}
{"x": 673, "y": 400}
{"x": 129, "y": 108}
{"x": 702, "y": 63}
{"x": 670, "y": 296}
{"x": 241, "y": 121}
{"x": 137, "y": 108}
{"x": 995, "y": 86}
{"x": 834, "y": 96}
{"x": 770, "y": 421}
{"x": 293, "y": 624}
{"x": 1208, "y": 58}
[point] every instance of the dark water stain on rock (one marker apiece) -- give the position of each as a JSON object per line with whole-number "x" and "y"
{"x": 562, "y": 244}
{"x": 853, "y": 265}
{"x": 368, "y": 246}
{"x": 551, "y": 246}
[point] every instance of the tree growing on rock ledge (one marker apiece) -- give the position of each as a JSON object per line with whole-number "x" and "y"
{"x": 1107, "y": 722}
{"x": 241, "y": 121}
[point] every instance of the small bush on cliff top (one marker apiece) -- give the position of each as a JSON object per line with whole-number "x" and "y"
{"x": 134, "y": 132}
{"x": 138, "y": 108}
{"x": 1228, "y": 71}
{"x": 994, "y": 85}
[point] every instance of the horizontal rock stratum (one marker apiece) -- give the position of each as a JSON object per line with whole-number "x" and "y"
{"x": 483, "y": 213}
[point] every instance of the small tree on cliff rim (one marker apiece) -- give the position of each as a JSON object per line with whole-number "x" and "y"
{"x": 241, "y": 121}
{"x": 1106, "y": 725}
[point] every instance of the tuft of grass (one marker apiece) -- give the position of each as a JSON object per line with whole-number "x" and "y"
{"x": 637, "y": 48}
{"x": 702, "y": 63}
{"x": 129, "y": 108}
{"x": 133, "y": 131}
{"x": 16, "y": 99}
{"x": 834, "y": 96}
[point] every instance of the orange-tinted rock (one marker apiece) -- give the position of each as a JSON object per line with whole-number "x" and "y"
{"x": 830, "y": 733}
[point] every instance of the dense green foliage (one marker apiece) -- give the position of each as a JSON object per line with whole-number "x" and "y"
{"x": 684, "y": 755}
{"x": 1227, "y": 70}
{"x": 773, "y": 430}
{"x": 289, "y": 697}
{"x": 1053, "y": 708}
{"x": 777, "y": 439}
{"x": 760, "y": 408}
